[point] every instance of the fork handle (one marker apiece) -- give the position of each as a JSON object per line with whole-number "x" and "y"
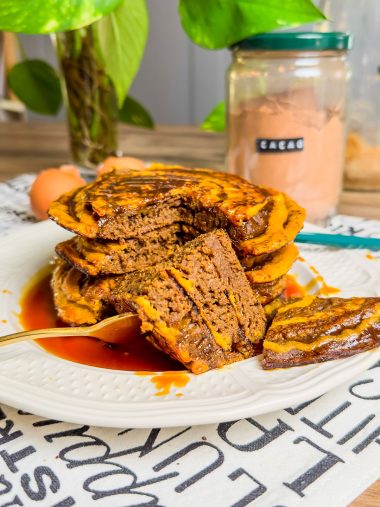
{"x": 42, "y": 333}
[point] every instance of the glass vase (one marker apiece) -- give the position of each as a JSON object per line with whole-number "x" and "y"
{"x": 89, "y": 96}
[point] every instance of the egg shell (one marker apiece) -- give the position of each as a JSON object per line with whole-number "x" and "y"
{"x": 119, "y": 163}
{"x": 51, "y": 184}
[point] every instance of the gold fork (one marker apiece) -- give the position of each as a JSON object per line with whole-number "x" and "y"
{"x": 114, "y": 330}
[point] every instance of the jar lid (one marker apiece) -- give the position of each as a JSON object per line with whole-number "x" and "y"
{"x": 297, "y": 41}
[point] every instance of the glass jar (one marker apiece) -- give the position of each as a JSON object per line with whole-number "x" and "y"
{"x": 362, "y": 158}
{"x": 286, "y": 115}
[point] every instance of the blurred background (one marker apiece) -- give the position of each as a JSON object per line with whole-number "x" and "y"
{"x": 178, "y": 82}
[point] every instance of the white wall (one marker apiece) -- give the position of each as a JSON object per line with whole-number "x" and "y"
{"x": 178, "y": 81}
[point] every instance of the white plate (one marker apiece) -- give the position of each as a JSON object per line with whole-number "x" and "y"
{"x": 35, "y": 381}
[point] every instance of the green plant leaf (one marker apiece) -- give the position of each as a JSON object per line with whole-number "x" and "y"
{"x": 133, "y": 113}
{"x": 37, "y": 85}
{"x": 122, "y": 37}
{"x": 217, "y": 24}
{"x": 215, "y": 121}
{"x": 48, "y": 16}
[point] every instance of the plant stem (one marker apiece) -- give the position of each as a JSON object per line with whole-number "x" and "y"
{"x": 90, "y": 98}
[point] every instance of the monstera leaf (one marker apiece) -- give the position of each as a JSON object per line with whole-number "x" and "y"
{"x": 48, "y": 16}
{"x": 216, "y": 24}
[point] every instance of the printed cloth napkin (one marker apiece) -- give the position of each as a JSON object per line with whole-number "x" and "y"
{"x": 322, "y": 452}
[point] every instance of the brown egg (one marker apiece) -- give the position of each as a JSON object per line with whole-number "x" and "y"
{"x": 119, "y": 163}
{"x": 51, "y": 184}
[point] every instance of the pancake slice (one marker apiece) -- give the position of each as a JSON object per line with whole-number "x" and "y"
{"x": 313, "y": 330}
{"x": 197, "y": 306}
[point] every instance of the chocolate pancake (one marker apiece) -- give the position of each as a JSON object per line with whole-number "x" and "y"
{"x": 284, "y": 223}
{"x": 80, "y": 299}
{"x": 272, "y": 267}
{"x": 267, "y": 292}
{"x": 128, "y": 204}
{"x": 313, "y": 329}
{"x": 97, "y": 257}
{"x": 100, "y": 257}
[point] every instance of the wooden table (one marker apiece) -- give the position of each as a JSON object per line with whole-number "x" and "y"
{"x": 30, "y": 147}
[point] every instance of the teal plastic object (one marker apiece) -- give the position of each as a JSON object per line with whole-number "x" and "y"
{"x": 338, "y": 240}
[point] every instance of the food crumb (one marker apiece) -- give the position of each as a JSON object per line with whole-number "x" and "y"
{"x": 6, "y": 291}
{"x": 3, "y": 321}
{"x": 204, "y": 438}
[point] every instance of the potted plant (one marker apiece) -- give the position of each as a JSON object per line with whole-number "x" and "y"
{"x": 100, "y": 44}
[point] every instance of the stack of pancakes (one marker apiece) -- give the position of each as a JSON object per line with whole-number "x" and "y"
{"x": 130, "y": 220}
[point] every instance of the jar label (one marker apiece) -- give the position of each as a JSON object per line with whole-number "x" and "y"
{"x": 279, "y": 145}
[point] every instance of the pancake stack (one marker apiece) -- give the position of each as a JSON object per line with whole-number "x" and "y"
{"x": 127, "y": 221}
